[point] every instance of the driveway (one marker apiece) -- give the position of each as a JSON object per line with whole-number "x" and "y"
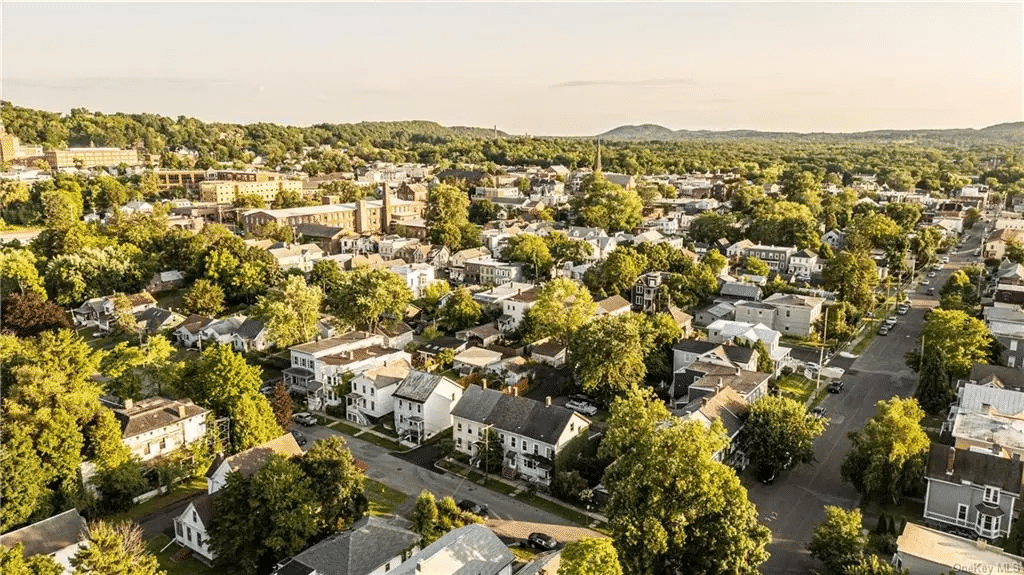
{"x": 793, "y": 507}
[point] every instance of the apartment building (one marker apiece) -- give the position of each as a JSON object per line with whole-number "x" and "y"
{"x": 156, "y": 426}
{"x": 91, "y": 158}
{"x": 227, "y": 191}
{"x": 364, "y": 216}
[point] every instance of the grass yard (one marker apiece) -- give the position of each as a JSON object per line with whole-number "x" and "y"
{"x": 522, "y": 553}
{"x": 796, "y": 386}
{"x": 554, "y": 508}
{"x": 389, "y": 444}
{"x": 182, "y": 491}
{"x": 383, "y": 499}
{"x": 190, "y": 566}
{"x": 172, "y": 299}
{"x": 344, "y": 428}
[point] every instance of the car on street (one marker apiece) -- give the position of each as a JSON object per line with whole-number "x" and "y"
{"x": 818, "y": 411}
{"x": 945, "y": 259}
{"x": 931, "y": 291}
{"x": 836, "y": 386}
{"x": 977, "y": 252}
{"x": 766, "y": 474}
{"x": 582, "y": 397}
{"x": 884, "y": 330}
{"x": 903, "y": 309}
{"x": 473, "y": 507}
{"x": 891, "y": 320}
{"x": 581, "y": 407}
{"x": 542, "y": 541}
{"x": 932, "y": 274}
{"x": 300, "y": 437}
{"x": 305, "y": 418}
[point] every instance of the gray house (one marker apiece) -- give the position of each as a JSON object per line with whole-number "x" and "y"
{"x": 372, "y": 545}
{"x": 972, "y": 490}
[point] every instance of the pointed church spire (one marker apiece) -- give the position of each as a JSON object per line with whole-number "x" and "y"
{"x": 597, "y": 160}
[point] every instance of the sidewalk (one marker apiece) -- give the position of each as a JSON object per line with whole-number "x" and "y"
{"x": 363, "y": 431}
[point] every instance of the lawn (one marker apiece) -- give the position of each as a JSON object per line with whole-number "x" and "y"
{"x": 344, "y": 428}
{"x": 173, "y": 300}
{"x": 190, "y": 566}
{"x": 383, "y": 499}
{"x": 180, "y": 492}
{"x": 389, "y": 444}
{"x": 796, "y": 386}
{"x": 554, "y": 508}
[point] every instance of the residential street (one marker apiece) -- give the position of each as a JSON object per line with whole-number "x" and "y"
{"x": 793, "y": 506}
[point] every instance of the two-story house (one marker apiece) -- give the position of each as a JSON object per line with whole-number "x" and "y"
{"x": 777, "y": 257}
{"x": 189, "y": 332}
{"x": 371, "y": 546}
{"x": 457, "y": 263}
{"x": 58, "y": 537}
{"x": 99, "y": 312}
{"x": 729, "y": 408}
{"x": 192, "y": 526}
{"x": 470, "y": 550}
{"x": 722, "y": 331}
{"x": 647, "y": 294}
{"x": 532, "y": 433}
{"x": 789, "y": 314}
{"x": 515, "y": 308}
{"x": 972, "y": 489}
{"x": 805, "y": 263}
{"x": 371, "y": 396}
{"x": 415, "y": 276}
{"x": 423, "y": 405}
{"x": 157, "y": 426}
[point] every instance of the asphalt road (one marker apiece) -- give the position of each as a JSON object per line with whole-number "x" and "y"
{"x": 794, "y": 505}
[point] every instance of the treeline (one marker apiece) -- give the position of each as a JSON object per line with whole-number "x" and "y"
{"x": 930, "y": 166}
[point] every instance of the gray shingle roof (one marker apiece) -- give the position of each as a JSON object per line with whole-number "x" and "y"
{"x": 250, "y": 328}
{"x": 153, "y": 413}
{"x": 418, "y": 385}
{"x": 154, "y": 317}
{"x": 470, "y": 550}
{"x": 363, "y": 548}
{"x": 520, "y": 415}
{"x": 978, "y": 468}
{"x": 49, "y": 535}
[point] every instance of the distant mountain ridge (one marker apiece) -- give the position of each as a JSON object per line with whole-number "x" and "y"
{"x": 1010, "y": 131}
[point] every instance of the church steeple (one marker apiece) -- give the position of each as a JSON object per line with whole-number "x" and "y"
{"x": 597, "y": 160}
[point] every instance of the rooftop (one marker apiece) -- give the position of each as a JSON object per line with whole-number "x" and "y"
{"x": 470, "y": 550}
{"x": 419, "y": 385}
{"x": 955, "y": 552}
{"x": 154, "y": 413}
{"x": 49, "y": 535}
{"x": 363, "y": 548}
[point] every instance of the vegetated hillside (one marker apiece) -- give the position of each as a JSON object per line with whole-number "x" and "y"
{"x": 1012, "y": 132}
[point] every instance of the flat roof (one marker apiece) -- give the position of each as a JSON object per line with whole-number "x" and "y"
{"x": 951, "y": 551}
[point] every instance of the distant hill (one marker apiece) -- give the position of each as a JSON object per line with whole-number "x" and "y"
{"x": 1012, "y": 132}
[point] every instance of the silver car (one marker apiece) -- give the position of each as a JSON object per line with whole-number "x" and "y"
{"x": 581, "y": 407}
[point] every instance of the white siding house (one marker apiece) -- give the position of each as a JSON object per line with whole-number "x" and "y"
{"x": 423, "y": 405}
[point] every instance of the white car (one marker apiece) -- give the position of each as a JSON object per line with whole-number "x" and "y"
{"x": 932, "y": 274}
{"x": 581, "y": 407}
{"x": 945, "y": 259}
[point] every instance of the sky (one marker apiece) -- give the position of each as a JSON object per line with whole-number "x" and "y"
{"x": 542, "y": 68}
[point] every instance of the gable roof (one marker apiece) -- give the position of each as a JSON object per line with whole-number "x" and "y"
{"x": 947, "y": 463}
{"x": 249, "y": 461}
{"x": 194, "y": 323}
{"x": 153, "y": 413}
{"x": 1008, "y": 377}
{"x": 741, "y": 289}
{"x": 726, "y": 405}
{"x": 361, "y": 549}
{"x": 613, "y": 303}
{"x": 514, "y": 414}
{"x": 154, "y": 317}
{"x": 250, "y": 328}
{"x": 388, "y": 374}
{"x": 470, "y": 550}
{"x": 49, "y": 535}
{"x": 419, "y": 385}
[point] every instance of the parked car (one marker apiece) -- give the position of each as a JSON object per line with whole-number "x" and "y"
{"x": 766, "y": 474}
{"x": 891, "y": 320}
{"x": 931, "y": 291}
{"x": 836, "y": 386}
{"x": 542, "y": 541}
{"x": 582, "y": 397}
{"x": 977, "y": 252}
{"x": 884, "y": 330}
{"x": 581, "y": 407}
{"x": 932, "y": 274}
{"x": 903, "y": 309}
{"x": 305, "y": 418}
{"x": 267, "y": 390}
{"x": 473, "y": 507}
{"x": 300, "y": 437}
{"x": 818, "y": 411}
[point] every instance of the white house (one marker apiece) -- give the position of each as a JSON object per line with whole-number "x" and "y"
{"x": 372, "y": 395}
{"x": 300, "y": 257}
{"x": 251, "y": 335}
{"x": 423, "y": 405}
{"x": 156, "y": 426}
{"x": 416, "y": 277}
{"x": 532, "y": 433}
{"x": 58, "y": 537}
{"x": 514, "y": 309}
{"x": 221, "y": 331}
{"x": 191, "y": 527}
{"x": 189, "y": 332}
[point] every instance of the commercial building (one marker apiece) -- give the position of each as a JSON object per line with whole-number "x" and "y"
{"x": 227, "y": 191}
{"x": 91, "y": 158}
{"x": 364, "y": 216}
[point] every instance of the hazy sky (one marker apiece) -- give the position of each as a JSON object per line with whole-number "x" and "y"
{"x": 538, "y": 68}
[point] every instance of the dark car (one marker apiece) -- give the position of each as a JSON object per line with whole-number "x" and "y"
{"x": 473, "y": 507}
{"x": 818, "y": 411}
{"x": 267, "y": 390}
{"x": 766, "y": 474}
{"x": 835, "y": 386}
{"x": 300, "y": 437}
{"x": 542, "y": 541}
{"x": 582, "y": 397}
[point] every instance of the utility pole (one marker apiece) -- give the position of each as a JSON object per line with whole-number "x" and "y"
{"x": 821, "y": 352}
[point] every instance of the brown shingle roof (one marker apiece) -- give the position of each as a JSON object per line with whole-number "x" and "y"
{"x": 154, "y": 413}
{"x": 249, "y": 461}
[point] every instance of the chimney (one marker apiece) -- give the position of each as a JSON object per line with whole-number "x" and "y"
{"x": 182, "y": 412}
{"x": 950, "y": 461}
{"x": 128, "y": 403}
{"x": 547, "y": 401}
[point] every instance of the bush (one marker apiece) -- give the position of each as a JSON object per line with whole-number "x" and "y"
{"x": 337, "y": 411}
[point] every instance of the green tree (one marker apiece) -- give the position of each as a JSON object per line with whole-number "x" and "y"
{"x": 971, "y": 217}
{"x": 778, "y": 432}
{"x": 765, "y": 363}
{"x": 529, "y": 249}
{"x": 117, "y": 486}
{"x": 606, "y": 205}
{"x": 19, "y": 274}
{"x": 802, "y": 187}
{"x": 115, "y": 549}
{"x": 281, "y": 404}
{"x": 871, "y": 230}
{"x": 425, "y": 517}
{"x": 888, "y": 456}
{"x": 336, "y": 483}
{"x": 715, "y": 261}
{"x": 960, "y": 292}
{"x": 617, "y": 273}
{"x": 284, "y": 509}
{"x": 235, "y": 530}
{"x": 935, "y": 392}
{"x": 784, "y": 223}
{"x": 590, "y": 556}
{"x": 482, "y": 212}
{"x": 14, "y": 562}
{"x": 561, "y": 307}
{"x": 709, "y": 227}
{"x": 31, "y": 314}
{"x": 755, "y": 266}
{"x": 459, "y": 311}
{"x": 290, "y": 312}
{"x": 839, "y": 541}
{"x": 448, "y": 218}
{"x": 563, "y": 249}
{"x": 252, "y": 422}
{"x": 872, "y": 565}
{"x": 620, "y": 337}
{"x": 368, "y": 297}
{"x": 430, "y": 297}
{"x": 671, "y": 507}
{"x": 327, "y": 276}
{"x": 958, "y": 338}
{"x": 129, "y": 367}
{"x": 24, "y": 486}
{"x": 852, "y": 276}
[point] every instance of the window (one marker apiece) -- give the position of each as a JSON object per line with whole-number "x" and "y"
{"x": 460, "y": 426}
{"x": 199, "y": 540}
{"x": 177, "y": 528}
{"x": 1011, "y": 361}
{"x": 513, "y": 442}
{"x": 387, "y": 567}
{"x": 373, "y": 406}
{"x": 188, "y": 530}
{"x": 419, "y": 408}
{"x": 961, "y": 512}
{"x": 536, "y": 449}
{"x": 1013, "y": 345}
{"x": 987, "y": 523}
{"x": 195, "y": 519}
{"x": 991, "y": 495}
{"x": 469, "y": 430}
